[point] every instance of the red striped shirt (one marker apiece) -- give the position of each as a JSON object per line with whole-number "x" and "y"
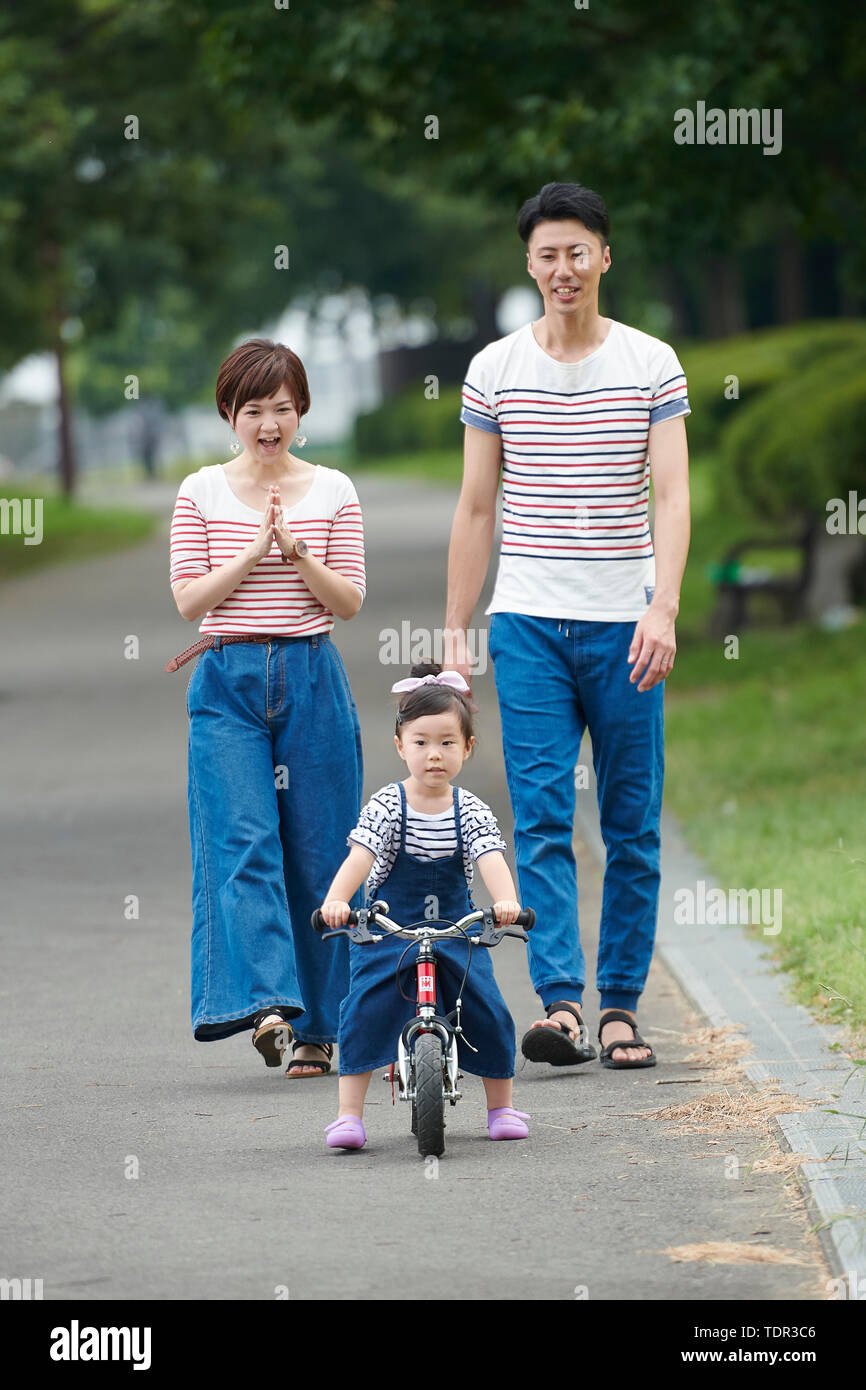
{"x": 211, "y": 525}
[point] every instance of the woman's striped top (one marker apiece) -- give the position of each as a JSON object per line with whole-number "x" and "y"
{"x": 211, "y": 525}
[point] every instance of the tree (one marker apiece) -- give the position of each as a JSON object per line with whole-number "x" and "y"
{"x": 145, "y": 206}
{"x": 121, "y": 179}
{"x": 533, "y": 97}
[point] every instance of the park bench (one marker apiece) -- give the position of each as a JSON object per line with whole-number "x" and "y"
{"x": 738, "y": 584}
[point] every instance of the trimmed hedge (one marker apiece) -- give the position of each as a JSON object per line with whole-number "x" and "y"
{"x": 759, "y": 360}
{"x": 794, "y": 437}
{"x": 409, "y": 423}
{"x": 802, "y": 442}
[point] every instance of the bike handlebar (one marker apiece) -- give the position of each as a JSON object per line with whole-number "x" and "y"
{"x": 358, "y": 930}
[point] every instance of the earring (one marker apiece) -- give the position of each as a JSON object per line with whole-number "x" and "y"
{"x": 300, "y": 440}
{"x": 236, "y": 447}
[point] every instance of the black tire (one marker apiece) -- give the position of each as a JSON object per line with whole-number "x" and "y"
{"x": 429, "y": 1104}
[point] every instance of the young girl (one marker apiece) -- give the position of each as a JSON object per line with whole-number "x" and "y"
{"x": 267, "y": 549}
{"x": 414, "y": 843}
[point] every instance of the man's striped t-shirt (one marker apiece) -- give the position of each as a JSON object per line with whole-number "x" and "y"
{"x": 576, "y": 541}
{"x": 211, "y": 525}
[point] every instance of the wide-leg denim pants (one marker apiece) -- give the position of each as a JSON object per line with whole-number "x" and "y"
{"x": 555, "y": 678}
{"x": 275, "y": 781}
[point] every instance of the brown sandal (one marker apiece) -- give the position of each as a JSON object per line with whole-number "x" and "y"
{"x": 271, "y": 1039}
{"x": 322, "y": 1068}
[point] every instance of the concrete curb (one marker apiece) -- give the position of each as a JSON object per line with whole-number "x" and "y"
{"x": 731, "y": 980}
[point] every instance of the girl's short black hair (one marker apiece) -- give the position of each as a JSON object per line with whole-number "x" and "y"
{"x": 559, "y": 202}
{"x": 432, "y": 699}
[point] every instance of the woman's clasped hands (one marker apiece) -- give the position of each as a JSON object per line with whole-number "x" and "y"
{"x": 272, "y": 528}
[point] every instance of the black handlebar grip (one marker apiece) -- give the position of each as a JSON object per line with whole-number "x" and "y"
{"x": 319, "y": 924}
{"x": 526, "y": 919}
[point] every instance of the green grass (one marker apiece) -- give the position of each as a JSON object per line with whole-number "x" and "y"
{"x": 765, "y": 772}
{"x": 69, "y": 531}
{"x": 766, "y": 769}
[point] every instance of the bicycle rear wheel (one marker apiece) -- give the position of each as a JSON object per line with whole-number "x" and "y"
{"x": 429, "y": 1106}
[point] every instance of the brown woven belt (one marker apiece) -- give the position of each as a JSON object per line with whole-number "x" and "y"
{"x": 206, "y": 642}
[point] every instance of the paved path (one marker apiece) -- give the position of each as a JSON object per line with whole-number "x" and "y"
{"x": 235, "y": 1192}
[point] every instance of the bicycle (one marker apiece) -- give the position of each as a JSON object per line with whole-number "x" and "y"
{"x": 426, "y": 1069}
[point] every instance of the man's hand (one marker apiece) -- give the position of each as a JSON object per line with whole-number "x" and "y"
{"x": 456, "y": 656}
{"x": 653, "y": 648}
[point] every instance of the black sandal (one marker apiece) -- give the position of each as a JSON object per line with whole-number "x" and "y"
{"x": 322, "y": 1068}
{"x": 556, "y": 1045}
{"x": 606, "y": 1054}
{"x": 272, "y": 1039}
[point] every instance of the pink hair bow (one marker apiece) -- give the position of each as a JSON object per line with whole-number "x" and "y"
{"x": 452, "y": 678}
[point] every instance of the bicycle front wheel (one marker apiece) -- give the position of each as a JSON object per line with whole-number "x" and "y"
{"x": 429, "y": 1105}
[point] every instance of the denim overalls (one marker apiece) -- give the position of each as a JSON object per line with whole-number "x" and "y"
{"x": 275, "y": 777}
{"x": 374, "y": 1012}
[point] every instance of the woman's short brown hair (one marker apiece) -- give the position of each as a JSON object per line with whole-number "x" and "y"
{"x": 257, "y": 369}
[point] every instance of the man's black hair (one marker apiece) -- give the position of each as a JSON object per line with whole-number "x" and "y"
{"x": 558, "y": 202}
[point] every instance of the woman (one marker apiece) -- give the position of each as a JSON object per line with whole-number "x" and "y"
{"x": 267, "y": 549}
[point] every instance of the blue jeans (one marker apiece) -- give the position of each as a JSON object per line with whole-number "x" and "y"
{"x": 275, "y": 778}
{"x": 555, "y": 679}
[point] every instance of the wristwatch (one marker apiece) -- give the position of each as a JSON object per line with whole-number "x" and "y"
{"x": 300, "y": 548}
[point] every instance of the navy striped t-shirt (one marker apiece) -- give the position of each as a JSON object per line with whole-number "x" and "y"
{"x": 576, "y": 541}
{"x": 428, "y": 836}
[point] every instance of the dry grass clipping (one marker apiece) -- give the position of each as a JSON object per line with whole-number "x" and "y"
{"x": 714, "y": 1044}
{"x": 718, "y": 1051}
{"x": 736, "y": 1106}
{"x": 728, "y": 1112}
{"x": 787, "y": 1165}
{"x": 733, "y": 1252}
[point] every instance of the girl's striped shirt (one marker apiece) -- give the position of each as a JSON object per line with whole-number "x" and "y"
{"x": 427, "y": 836}
{"x": 212, "y": 525}
{"x": 576, "y": 541}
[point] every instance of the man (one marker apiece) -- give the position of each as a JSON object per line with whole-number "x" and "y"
{"x": 577, "y": 412}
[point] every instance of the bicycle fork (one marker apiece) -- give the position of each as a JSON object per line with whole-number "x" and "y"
{"x": 427, "y": 1021}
